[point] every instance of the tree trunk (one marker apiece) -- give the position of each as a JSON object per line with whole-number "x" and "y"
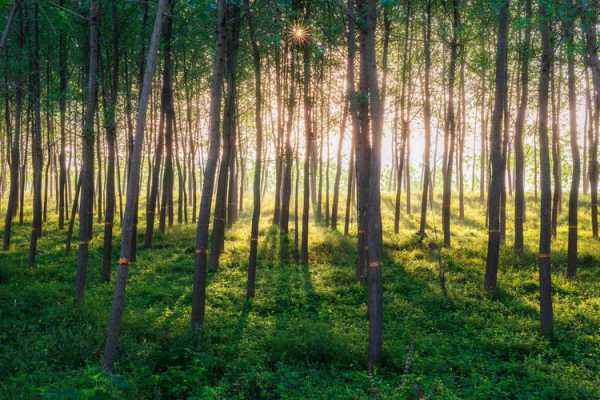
{"x": 574, "y": 193}
{"x": 133, "y": 187}
{"x": 497, "y": 179}
{"x": 232, "y": 44}
{"x": 309, "y": 136}
{"x": 166, "y": 206}
{"x": 111, "y": 137}
{"x": 199, "y": 288}
{"x": 519, "y": 133}
{"x": 427, "y": 120}
{"x": 87, "y": 172}
{"x": 36, "y": 139}
{"x": 375, "y": 286}
{"x": 546, "y": 195}
{"x": 15, "y": 153}
{"x": 588, "y": 21}
{"x": 450, "y": 131}
{"x": 251, "y": 284}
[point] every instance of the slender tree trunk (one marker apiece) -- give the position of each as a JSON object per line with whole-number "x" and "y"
{"x": 232, "y": 44}
{"x": 62, "y": 105}
{"x": 546, "y": 315}
{"x": 111, "y": 137}
{"x": 309, "y": 136}
{"x": 556, "y": 156}
{"x": 87, "y": 172}
{"x": 199, "y": 288}
{"x": 427, "y": 120}
{"x": 574, "y": 193}
{"x": 15, "y": 154}
{"x": 519, "y": 133}
{"x": 588, "y": 22}
{"x": 133, "y": 187}
{"x": 166, "y": 206}
{"x": 350, "y": 190}
{"x": 36, "y": 138}
{"x": 288, "y": 156}
{"x": 250, "y": 289}
{"x": 338, "y": 169}
{"x": 496, "y": 184}
{"x": 450, "y": 134}
{"x": 375, "y": 286}
{"x": 74, "y": 208}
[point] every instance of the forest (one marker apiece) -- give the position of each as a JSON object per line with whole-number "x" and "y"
{"x": 299, "y": 199}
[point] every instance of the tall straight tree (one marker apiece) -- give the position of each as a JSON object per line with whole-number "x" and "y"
{"x": 199, "y": 288}
{"x": 250, "y": 289}
{"x": 497, "y": 178}
{"x": 450, "y": 129}
{"x": 166, "y": 204}
{"x": 232, "y": 38}
{"x": 151, "y": 203}
{"x": 353, "y": 109}
{"x": 110, "y": 110}
{"x": 589, "y": 17}
{"x": 519, "y": 132}
{"x": 288, "y": 156}
{"x": 62, "y": 105}
{"x": 426, "y": 118}
{"x": 133, "y": 188}
{"x": 87, "y": 169}
{"x": 568, "y": 26}
{"x": 15, "y": 153}
{"x": 36, "y": 137}
{"x": 368, "y": 10}
{"x": 309, "y": 136}
{"x": 546, "y": 315}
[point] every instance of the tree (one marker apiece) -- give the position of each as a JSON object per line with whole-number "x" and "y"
{"x": 427, "y": 119}
{"x": 309, "y": 146}
{"x": 588, "y": 21}
{"x": 112, "y": 337}
{"x": 232, "y": 36}
{"x": 497, "y": 179}
{"x": 110, "y": 109}
{"x": 36, "y": 137}
{"x": 519, "y": 130}
{"x": 546, "y": 315}
{"x": 374, "y": 275}
{"x": 250, "y": 290}
{"x": 87, "y": 171}
{"x": 15, "y": 153}
{"x": 199, "y": 288}
{"x": 450, "y": 129}
{"x": 568, "y": 26}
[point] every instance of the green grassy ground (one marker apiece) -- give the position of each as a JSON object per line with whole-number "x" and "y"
{"x": 305, "y": 335}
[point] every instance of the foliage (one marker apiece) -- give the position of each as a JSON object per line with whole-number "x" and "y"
{"x": 304, "y": 336}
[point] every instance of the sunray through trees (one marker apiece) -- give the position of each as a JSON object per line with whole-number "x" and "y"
{"x": 265, "y": 123}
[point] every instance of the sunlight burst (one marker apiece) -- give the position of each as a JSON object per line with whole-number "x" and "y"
{"x": 299, "y": 33}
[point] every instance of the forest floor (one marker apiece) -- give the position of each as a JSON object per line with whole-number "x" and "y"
{"x": 305, "y": 334}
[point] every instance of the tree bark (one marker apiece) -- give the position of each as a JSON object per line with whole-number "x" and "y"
{"x": 229, "y": 128}
{"x": 199, "y": 287}
{"x": 519, "y": 133}
{"x": 574, "y": 193}
{"x": 133, "y": 187}
{"x": 427, "y": 120}
{"x": 15, "y": 155}
{"x": 497, "y": 178}
{"x": 546, "y": 315}
{"x": 111, "y": 137}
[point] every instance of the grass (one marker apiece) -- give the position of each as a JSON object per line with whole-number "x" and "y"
{"x": 305, "y": 334}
